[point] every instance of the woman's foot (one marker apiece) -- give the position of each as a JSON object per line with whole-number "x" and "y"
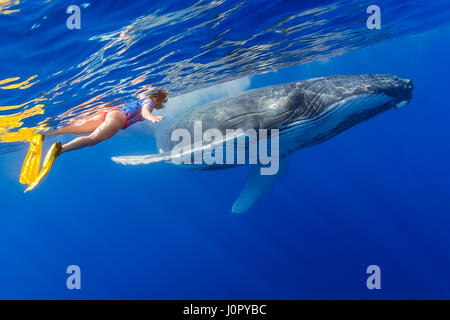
{"x": 59, "y": 149}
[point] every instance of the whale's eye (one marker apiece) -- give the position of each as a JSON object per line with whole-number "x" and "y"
{"x": 297, "y": 102}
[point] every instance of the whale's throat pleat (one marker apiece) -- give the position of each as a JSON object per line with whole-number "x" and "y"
{"x": 333, "y": 120}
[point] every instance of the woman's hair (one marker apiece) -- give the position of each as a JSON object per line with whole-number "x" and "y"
{"x": 159, "y": 98}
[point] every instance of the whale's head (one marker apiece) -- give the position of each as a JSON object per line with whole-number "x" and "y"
{"x": 314, "y": 110}
{"x": 320, "y": 108}
{"x": 361, "y": 96}
{"x": 398, "y": 89}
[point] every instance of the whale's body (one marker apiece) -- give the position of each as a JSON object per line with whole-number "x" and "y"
{"x": 306, "y": 113}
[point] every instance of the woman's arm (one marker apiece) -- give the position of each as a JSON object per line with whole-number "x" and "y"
{"x": 147, "y": 114}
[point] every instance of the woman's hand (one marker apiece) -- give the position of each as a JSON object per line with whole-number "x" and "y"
{"x": 155, "y": 119}
{"x": 147, "y": 114}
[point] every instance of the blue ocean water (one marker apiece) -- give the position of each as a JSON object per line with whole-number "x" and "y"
{"x": 376, "y": 194}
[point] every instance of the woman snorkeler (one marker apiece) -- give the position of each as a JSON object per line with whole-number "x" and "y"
{"x": 101, "y": 126}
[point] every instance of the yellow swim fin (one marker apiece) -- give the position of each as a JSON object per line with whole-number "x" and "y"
{"x": 54, "y": 152}
{"x": 30, "y": 168}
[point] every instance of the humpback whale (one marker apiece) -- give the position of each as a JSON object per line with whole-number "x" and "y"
{"x": 305, "y": 113}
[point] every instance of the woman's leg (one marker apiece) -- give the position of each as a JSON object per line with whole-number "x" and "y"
{"x": 115, "y": 120}
{"x": 82, "y": 126}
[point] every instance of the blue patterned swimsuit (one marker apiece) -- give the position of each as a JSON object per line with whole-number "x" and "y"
{"x": 132, "y": 109}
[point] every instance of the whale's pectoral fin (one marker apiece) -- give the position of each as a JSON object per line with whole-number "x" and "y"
{"x": 257, "y": 185}
{"x": 139, "y": 160}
